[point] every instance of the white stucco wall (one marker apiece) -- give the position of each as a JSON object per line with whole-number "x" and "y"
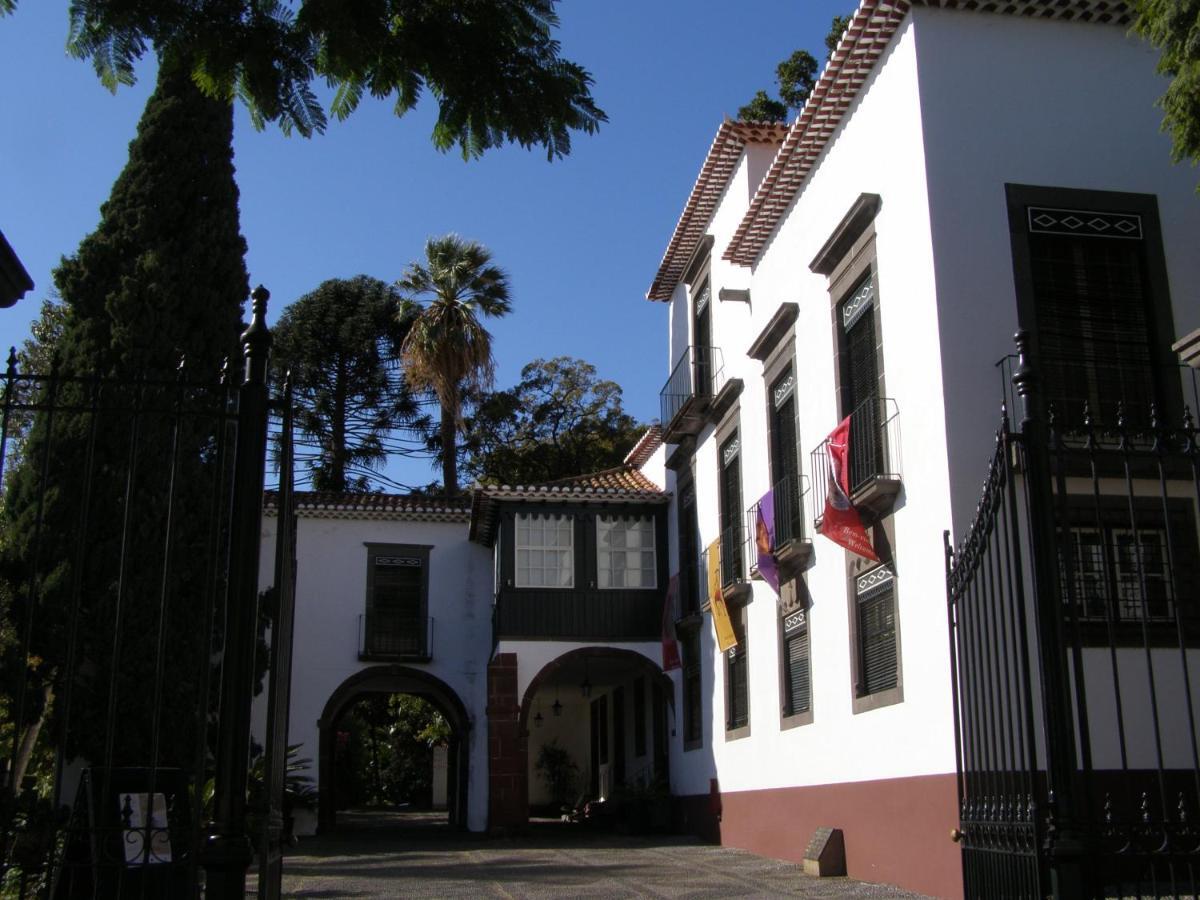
{"x": 1007, "y": 99}
{"x": 878, "y": 150}
{"x": 331, "y": 595}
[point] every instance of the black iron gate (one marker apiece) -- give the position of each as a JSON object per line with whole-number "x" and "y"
{"x": 1074, "y": 608}
{"x": 133, "y": 635}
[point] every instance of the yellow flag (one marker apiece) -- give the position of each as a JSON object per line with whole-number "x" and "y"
{"x": 720, "y": 613}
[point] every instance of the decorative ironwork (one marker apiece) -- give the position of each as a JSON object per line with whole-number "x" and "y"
{"x": 1073, "y": 617}
{"x": 858, "y": 303}
{"x": 1043, "y": 220}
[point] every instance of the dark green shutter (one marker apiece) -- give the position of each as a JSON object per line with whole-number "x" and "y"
{"x": 877, "y": 638}
{"x": 799, "y": 676}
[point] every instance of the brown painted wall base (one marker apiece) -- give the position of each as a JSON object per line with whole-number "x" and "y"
{"x": 897, "y": 831}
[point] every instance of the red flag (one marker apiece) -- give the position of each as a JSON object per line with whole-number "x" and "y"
{"x": 840, "y": 522}
{"x": 670, "y": 648}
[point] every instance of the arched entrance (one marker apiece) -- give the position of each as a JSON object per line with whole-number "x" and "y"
{"x": 606, "y": 709}
{"x": 394, "y": 680}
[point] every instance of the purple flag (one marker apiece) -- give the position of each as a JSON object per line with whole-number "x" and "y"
{"x": 764, "y": 538}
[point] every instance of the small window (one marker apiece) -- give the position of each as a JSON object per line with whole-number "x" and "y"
{"x": 878, "y": 650}
{"x": 545, "y": 551}
{"x": 797, "y": 670}
{"x": 397, "y": 585}
{"x": 737, "y": 678}
{"x": 625, "y": 552}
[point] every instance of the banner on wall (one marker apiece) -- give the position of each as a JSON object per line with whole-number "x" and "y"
{"x": 764, "y": 537}
{"x": 840, "y": 521}
{"x": 716, "y": 600}
{"x": 670, "y": 647}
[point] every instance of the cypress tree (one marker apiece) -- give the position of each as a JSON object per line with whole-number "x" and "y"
{"x": 107, "y": 545}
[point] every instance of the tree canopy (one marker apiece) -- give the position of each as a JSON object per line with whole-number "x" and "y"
{"x": 494, "y": 69}
{"x": 796, "y": 77}
{"x": 560, "y": 420}
{"x": 1173, "y": 26}
{"x": 90, "y": 509}
{"x": 341, "y": 344}
{"x": 447, "y": 350}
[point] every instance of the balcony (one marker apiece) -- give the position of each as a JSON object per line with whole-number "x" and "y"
{"x": 788, "y": 539}
{"x": 696, "y": 381}
{"x": 394, "y": 636}
{"x": 875, "y": 465}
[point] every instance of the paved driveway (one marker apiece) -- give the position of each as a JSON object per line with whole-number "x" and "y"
{"x": 375, "y": 865}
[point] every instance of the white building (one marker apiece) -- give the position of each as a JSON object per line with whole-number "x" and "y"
{"x": 873, "y": 260}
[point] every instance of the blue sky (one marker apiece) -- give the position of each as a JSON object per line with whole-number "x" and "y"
{"x": 580, "y": 237}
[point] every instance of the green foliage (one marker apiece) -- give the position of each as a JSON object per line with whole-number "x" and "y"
{"x": 161, "y": 277}
{"x": 1173, "y": 26}
{"x": 762, "y": 108}
{"x": 387, "y": 757}
{"x": 796, "y": 77}
{"x": 341, "y": 344}
{"x": 494, "y": 69}
{"x": 558, "y": 770}
{"x": 560, "y": 420}
{"x": 836, "y": 29}
{"x": 447, "y": 350}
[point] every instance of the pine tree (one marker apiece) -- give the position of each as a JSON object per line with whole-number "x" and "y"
{"x": 107, "y": 543}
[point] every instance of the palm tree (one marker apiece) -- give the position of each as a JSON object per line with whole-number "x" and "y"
{"x": 447, "y": 350}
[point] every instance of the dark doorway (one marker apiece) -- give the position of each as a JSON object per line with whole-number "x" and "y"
{"x": 599, "y": 741}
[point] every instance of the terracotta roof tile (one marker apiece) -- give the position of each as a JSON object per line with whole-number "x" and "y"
{"x": 650, "y": 441}
{"x": 412, "y": 507}
{"x": 718, "y": 167}
{"x": 870, "y": 31}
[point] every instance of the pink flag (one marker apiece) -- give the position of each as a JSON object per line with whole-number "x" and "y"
{"x": 840, "y": 522}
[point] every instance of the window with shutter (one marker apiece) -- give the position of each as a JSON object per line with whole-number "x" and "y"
{"x": 785, "y": 460}
{"x": 397, "y": 587}
{"x": 1093, "y": 318}
{"x": 689, "y": 550}
{"x": 702, "y": 341}
{"x": 878, "y": 653}
{"x": 731, "y": 510}
{"x": 737, "y": 674}
{"x": 797, "y": 674}
{"x": 693, "y": 724}
{"x": 860, "y": 382}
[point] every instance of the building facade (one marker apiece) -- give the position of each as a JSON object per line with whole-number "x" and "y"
{"x": 957, "y": 174}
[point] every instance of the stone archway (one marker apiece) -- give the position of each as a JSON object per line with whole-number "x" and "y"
{"x": 394, "y": 680}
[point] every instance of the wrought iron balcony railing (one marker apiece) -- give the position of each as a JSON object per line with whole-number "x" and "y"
{"x": 694, "y": 380}
{"x": 874, "y": 458}
{"x": 787, "y": 536}
{"x": 394, "y": 636}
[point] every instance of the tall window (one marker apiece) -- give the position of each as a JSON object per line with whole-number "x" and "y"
{"x": 861, "y": 380}
{"x": 639, "y": 716}
{"x": 545, "y": 551}
{"x": 737, "y": 677}
{"x": 878, "y": 650}
{"x": 731, "y": 510}
{"x": 689, "y": 550}
{"x": 702, "y": 340}
{"x": 625, "y": 552}
{"x": 693, "y": 722}
{"x": 1092, "y": 311}
{"x": 797, "y": 672}
{"x": 397, "y": 584}
{"x": 785, "y": 461}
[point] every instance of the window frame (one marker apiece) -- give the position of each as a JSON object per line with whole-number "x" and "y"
{"x": 863, "y": 582}
{"x": 737, "y": 656}
{"x": 651, "y": 527}
{"x": 794, "y": 600}
{"x": 571, "y": 522}
{"x": 418, "y": 551}
{"x": 692, "y": 675}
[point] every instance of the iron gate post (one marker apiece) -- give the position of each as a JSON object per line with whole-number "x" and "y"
{"x": 227, "y": 851}
{"x": 1065, "y": 842}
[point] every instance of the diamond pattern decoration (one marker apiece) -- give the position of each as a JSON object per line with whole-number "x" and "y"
{"x": 1093, "y": 224}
